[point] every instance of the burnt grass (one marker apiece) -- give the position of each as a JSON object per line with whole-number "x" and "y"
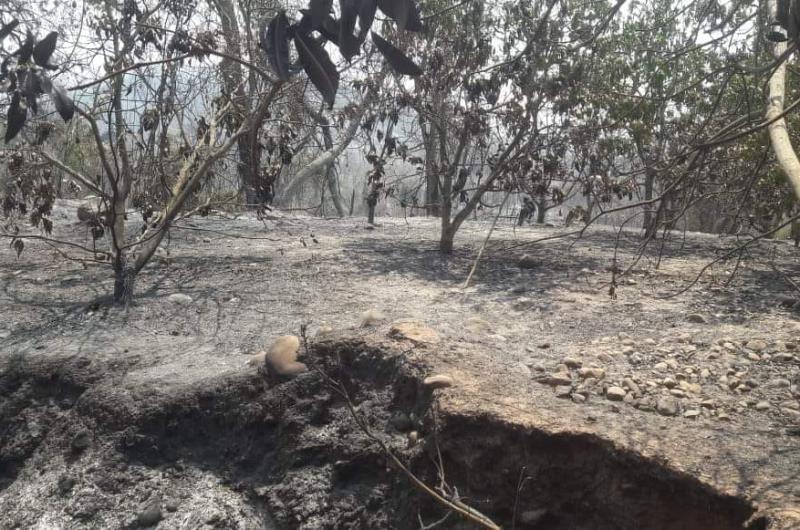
{"x": 149, "y": 417}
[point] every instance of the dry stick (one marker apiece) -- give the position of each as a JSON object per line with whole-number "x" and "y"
{"x": 485, "y": 241}
{"x": 459, "y": 507}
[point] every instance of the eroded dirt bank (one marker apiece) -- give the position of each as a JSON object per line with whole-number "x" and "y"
{"x": 87, "y": 445}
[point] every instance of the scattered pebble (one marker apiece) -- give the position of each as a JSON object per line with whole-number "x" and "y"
{"x": 696, "y": 318}
{"x": 668, "y": 406}
{"x": 371, "y": 317}
{"x": 615, "y": 393}
{"x": 180, "y": 299}
{"x": 150, "y": 516}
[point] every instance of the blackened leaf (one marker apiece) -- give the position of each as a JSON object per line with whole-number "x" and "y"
{"x": 18, "y": 246}
{"x": 414, "y": 22}
{"x": 276, "y": 45}
{"x": 397, "y": 59}
{"x": 6, "y": 30}
{"x": 45, "y": 48}
{"x": 318, "y": 65}
{"x": 348, "y": 44}
{"x": 63, "y": 103}
{"x": 330, "y": 29}
{"x": 32, "y": 89}
{"x": 397, "y": 10}
{"x": 317, "y": 11}
{"x": 17, "y": 114}
{"x": 305, "y": 24}
{"x": 366, "y": 15}
{"x": 25, "y": 52}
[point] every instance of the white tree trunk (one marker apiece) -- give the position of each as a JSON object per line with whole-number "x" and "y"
{"x": 778, "y": 134}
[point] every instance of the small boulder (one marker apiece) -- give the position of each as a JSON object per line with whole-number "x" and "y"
{"x": 696, "y": 318}
{"x": 667, "y": 406}
{"x": 615, "y": 393}
{"x": 371, "y": 318}
{"x": 438, "y": 381}
{"x": 150, "y": 515}
{"x": 180, "y": 299}
{"x": 282, "y": 356}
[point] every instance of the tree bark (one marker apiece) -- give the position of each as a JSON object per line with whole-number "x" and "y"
{"x": 778, "y": 133}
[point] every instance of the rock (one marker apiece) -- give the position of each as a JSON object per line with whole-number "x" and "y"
{"x": 628, "y": 350}
{"x": 669, "y": 382}
{"x": 556, "y": 379}
{"x": 572, "y": 363}
{"x": 692, "y": 388}
{"x": 783, "y": 357}
{"x": 723, "y": 416}
{"x": 757, "y": 345}
{"x": 615, "y": 393}
{"x": 543, "y": 346}
{"x": 604, "y": 357}
{"x": 171, "y": 506}
{"x": 763, "y": 405}
{"x": 595, "y": 373}
{"x": 81, "y": 441}
{"x": 150, "y": 515}
{"x": 632, "y": 386}
{"x": 180, "y": 299}
{"x": 753, "y": 356}
{"x": 414, "y": 330}
{"x": 65, "y": 484}
{"x": 563, "y": 391}
{"x": 323, "y": 330}
{"x": 667, "y": 406}
{"x": 629, "y": 398}
{"x": 661, "y": 367}
{"x": 693, "y": 413}
{"x": 438, "y": 381}
{"x": 779, "y": 382}
{"x": 528, "y": 262}
{"x": 708, "y": 404}
{"x": 677, "y": 393}
{"x": 371, "y": 317}
{"x": 282, "y": 356}
{"x": 523, "y": 369}
{"x": 412, "y": 439}
{"x": 477, "y": 325}
{"x": 578, "y": 398}
{"x": 696, "y": 318}
{"x": 792, "y": 413}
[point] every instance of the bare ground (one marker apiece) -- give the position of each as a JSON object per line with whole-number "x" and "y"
{"x": 570, "y": 409}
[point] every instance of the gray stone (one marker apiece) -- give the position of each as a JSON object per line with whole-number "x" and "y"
{"x": 180, "y": 299}
{"x": 696, "y": 318}
{"x": 556, "y": 379}
{"x": 563, "y": 391}
{"x": 572, "y": 363}
{"x": 594, "y": 373}
{"x": 615, "y": 393}
{"x": 763, "y": 405}
{"x": 693, "y": 413}
{"x": 150, "y": 516}
{"x": 667, "y": 406}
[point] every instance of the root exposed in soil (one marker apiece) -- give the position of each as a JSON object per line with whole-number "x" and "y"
{"x": 81, "y": 449}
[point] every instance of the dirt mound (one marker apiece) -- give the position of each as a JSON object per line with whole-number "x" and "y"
{"x": 86, "y": 444}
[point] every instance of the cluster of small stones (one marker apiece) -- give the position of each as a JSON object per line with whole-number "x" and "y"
{"x": 676, "y": 379}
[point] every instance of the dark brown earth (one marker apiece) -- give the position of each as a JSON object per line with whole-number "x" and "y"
{"x": 569, "y": 409}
